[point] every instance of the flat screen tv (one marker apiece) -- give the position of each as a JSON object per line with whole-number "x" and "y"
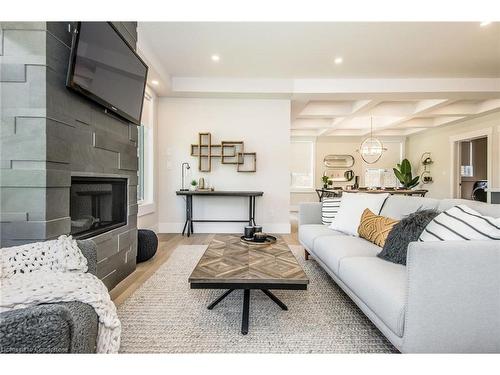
{"x": 106, "y": 69}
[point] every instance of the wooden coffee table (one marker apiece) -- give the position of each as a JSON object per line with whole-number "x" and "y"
{"x": 230, "y": 264}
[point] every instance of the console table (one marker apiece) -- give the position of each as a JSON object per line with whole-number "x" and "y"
{"x": 251, "y": 195}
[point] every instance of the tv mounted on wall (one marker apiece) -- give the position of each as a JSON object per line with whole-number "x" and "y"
{"x": 106, "y": 69}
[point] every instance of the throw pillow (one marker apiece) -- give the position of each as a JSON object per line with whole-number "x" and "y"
{"x": 461, "y": 223}
{"x": 329, "y": 209}
{"x": 351, "y": 208}
{"x": 406, "y": 231}
{"x": 375, "y": 228}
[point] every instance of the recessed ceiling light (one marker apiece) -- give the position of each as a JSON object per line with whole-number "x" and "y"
{"x": 338, "y": 60}
{"x": 215, "y": 58}
{"x": 484, "y": 23}
{"x": 155, "y": 82}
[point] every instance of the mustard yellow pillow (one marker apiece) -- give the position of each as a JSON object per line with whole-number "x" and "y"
{"x": 375, "y": 228}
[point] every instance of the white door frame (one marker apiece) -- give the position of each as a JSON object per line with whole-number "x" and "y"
{"x": 454, "y": 157}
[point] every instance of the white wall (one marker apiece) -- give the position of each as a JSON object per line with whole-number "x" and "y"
{"x": 437, "y": 141}
{"x": 264, "y": 126}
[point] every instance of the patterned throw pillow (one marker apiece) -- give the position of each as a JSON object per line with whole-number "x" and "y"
{"x": 329, "y": 209}
{"x": 375, "y": 228}
{"x": 461, "y": 223}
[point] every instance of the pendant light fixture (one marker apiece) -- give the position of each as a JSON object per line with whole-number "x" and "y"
{"x": 371, "y": 148}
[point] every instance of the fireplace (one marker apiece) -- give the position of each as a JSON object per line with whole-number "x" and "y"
{"x": 97, "y": 205}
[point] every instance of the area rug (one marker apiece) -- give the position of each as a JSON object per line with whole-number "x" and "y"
{"x": 165, "y": 316}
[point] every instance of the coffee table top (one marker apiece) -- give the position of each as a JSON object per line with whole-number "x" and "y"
{"x": 230, "y": 264}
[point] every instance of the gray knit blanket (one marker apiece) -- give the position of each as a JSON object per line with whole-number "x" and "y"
{"x": 56, "y": 271}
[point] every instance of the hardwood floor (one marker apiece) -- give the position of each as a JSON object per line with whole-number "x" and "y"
{"x": 167, "y": 243}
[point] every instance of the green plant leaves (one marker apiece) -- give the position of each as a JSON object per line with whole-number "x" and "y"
{"x": 413, "y": 182}
{"x": 399, "y": 175}
{"x": 406, "y": 167}
{"x": 404, "y": 175}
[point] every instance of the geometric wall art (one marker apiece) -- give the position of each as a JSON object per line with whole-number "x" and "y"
{"x": 227, "y": 152}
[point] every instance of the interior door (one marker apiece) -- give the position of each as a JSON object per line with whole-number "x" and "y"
{"x": 473, "y": 156}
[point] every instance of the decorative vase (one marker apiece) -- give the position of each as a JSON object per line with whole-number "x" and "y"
{"x": 356, "y": 183}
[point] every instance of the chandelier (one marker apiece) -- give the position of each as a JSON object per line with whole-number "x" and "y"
{"x": 371, "y": 148}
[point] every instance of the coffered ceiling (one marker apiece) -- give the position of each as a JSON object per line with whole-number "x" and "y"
{"x": 389, "y": 117}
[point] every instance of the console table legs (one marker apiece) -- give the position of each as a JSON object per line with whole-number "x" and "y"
{"x": 189, "y": 216}
{"x": 245, "y": 316}
{"x": 188, "y": 225}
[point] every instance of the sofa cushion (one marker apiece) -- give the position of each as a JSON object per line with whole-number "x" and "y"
{"x": 461, "y": 223}
{"x": 486, "y": 209}
{"x": 309, "y": 232}
{"x": 332, "y": 249}
{"x": 380, "y": 285}
{"x": 329, "y": 209}
{"x": 375, "y": 228}
{"x": 406, "y": 231}
{"x": 398, "y": 206}
{"x": 352, "y": 207}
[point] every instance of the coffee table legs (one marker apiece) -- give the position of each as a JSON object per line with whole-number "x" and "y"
{"x": 246, "y": 305}
{"x": 275, "y": 299}
{"x": 215, "y": 303}
{"x": 246, "y": 311}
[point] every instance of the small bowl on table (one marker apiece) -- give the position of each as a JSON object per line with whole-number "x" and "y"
{"x": 260, "y": 237}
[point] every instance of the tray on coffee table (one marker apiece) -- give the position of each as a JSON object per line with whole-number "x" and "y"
{"x": 269, "y": 240}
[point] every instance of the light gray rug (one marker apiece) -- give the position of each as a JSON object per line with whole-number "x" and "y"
{"x": 165, "y": 316}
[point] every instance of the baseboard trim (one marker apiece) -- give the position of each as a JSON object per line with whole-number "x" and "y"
{"x": 169, "y": 227}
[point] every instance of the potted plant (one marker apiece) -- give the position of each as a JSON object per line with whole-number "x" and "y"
{"x": 404, "y": 175}
{"x": 325, "y": 181}
{"x": 193, "y": 185}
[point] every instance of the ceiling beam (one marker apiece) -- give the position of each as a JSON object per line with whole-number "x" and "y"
{"x": 198, "y": 85}
{"x": 423, "y": 107}
{"x": 359, "y": 108}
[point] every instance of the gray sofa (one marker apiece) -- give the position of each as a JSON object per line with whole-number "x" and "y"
{"x": 69, "y": 327}
{"x": 447, "y": 298}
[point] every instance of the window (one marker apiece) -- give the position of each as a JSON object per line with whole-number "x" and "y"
{"x": 379, "y": 177}
{"x": 302, "y": 165}
{"x": 146, "y": 153}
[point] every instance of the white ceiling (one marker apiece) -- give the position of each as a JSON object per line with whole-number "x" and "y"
{"x": 408, "y": 77}
{"x": 307, "y": 50}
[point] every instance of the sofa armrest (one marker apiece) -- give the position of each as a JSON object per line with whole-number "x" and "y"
{"x": 39, "y": 329}
{"x": 89, "y": 251}
{"x": 310, "y": 213}
{"x": 453, "y": 297}
{"x": 69, "y": 327}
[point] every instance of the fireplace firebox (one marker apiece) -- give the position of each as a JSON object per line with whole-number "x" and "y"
{"x": 97, "y": 205}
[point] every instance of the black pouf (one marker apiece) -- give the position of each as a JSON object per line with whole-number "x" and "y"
{"x": 147, "y": 243}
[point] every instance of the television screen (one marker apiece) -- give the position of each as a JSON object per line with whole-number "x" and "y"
{"x": 105, "y": 68}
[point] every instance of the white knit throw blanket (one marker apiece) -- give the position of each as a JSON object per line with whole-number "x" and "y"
{"x": 55, "y": 271}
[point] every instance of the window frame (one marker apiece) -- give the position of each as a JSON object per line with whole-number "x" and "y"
{"x": 312, "y": 188}
{"x": 146, "y": 140}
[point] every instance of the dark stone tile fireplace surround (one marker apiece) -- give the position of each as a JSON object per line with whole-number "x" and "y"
{"x": 51, "y": 137}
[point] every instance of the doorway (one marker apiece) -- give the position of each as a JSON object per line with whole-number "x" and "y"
{"x": 473, "y": 162}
